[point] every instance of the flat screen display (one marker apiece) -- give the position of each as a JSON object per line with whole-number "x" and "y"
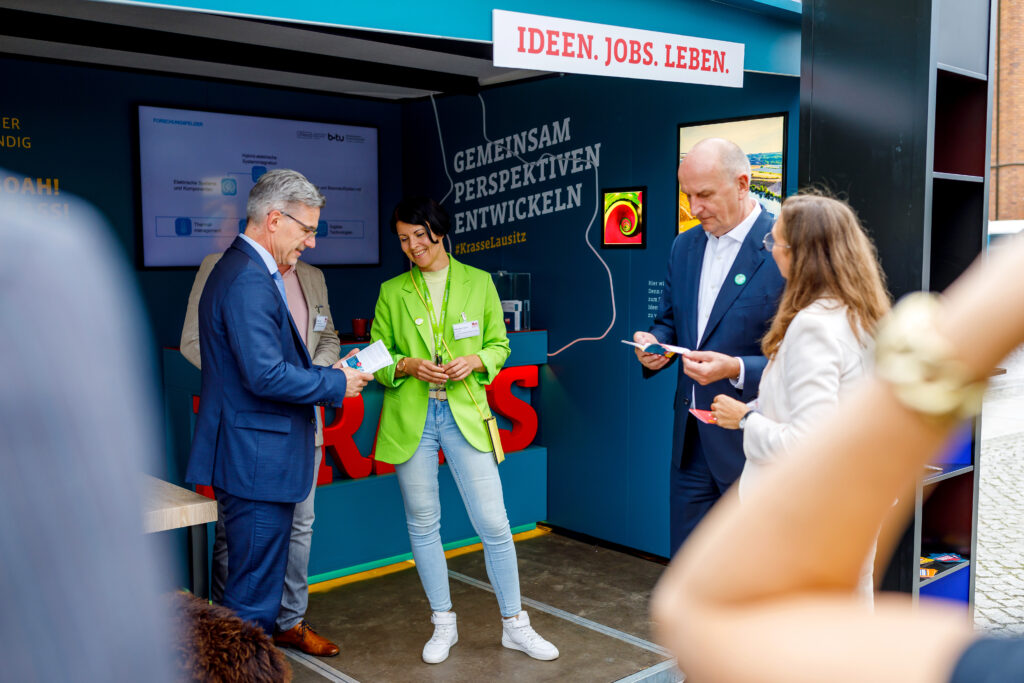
{"x": 197, "y": 168}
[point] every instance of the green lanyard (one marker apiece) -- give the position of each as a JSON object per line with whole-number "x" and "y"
{"x": 438, "y": 326}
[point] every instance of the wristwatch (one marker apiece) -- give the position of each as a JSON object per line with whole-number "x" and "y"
{"x": 401, "y": 365}
{"x": 743, "y": 420}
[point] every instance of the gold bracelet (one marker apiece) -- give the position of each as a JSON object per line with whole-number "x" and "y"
{"x": 918, "y": 363}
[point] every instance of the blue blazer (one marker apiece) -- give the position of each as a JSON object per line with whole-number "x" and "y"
{"x": 739, "y": 319}
{"x": 254, "y": 434}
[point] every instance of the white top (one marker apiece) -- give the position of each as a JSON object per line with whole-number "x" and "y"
{"x": 436, "y": 280}
{"x": 718, "y": 259}
{"x": 719, "y": 255}
{"x": 819, "y": 359}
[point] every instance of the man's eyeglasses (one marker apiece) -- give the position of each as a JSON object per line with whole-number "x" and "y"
{"x": 770, "y": 243}
{"x": 310, "y": 229}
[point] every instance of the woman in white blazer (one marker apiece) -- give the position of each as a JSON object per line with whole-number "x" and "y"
{"x": 818, "y": 343}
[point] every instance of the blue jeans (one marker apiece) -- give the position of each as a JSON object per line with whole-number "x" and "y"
{"x": 476, "y": 475}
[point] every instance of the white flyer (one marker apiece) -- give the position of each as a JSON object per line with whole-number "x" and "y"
{"x": 371, "y": 359}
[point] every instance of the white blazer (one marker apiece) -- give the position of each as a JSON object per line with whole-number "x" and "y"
{"x": 819, "y": 358}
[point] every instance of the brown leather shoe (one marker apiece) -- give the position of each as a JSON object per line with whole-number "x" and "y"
{"x": 303, "y": 637}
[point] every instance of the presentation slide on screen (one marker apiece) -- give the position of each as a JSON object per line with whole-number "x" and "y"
{"x": 197, "y": 169}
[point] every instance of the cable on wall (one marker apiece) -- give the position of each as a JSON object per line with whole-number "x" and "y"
{"x": 586, "y": 234}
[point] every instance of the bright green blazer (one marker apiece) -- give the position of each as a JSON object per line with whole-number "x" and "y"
{"x": 405, "y": 399}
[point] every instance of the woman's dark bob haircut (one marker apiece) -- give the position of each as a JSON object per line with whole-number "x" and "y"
{"x": 421, "y": 211}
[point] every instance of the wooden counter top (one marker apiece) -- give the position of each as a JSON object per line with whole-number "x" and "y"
{"x": 166, "y": 506}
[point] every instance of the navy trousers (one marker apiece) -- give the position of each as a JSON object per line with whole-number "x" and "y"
{"x": 258, "y": 535}
{"x": 693, "y": 489}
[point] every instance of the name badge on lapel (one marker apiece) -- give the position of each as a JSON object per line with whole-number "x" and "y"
{"x": 466, "y": 329}
{"x": 321, "y": 323}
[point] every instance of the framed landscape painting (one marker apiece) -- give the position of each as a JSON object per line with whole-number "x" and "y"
{"x": 762, "y": 137}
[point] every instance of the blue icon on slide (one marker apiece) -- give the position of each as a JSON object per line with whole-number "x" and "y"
{"x": 241, "y": 225}
{"x": 183, "y": 227}
{"x": 257, "y": 173}
{"x": 228, "y": 186}
{"x": 321, "y": 229}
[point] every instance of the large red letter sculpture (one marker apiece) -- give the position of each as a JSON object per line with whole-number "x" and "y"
{"x": 520, "y": 413}
{"x": 339, "y": 435}
{"x": 339, "y": 442}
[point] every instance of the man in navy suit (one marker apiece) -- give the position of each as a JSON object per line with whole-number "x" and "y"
{"x": 254, "y": 435}
{"x": 721, "y": 292}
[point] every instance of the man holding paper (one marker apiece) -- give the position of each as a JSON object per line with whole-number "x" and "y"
{"x": 371, "y": 359}
{"x": 721, "y": 291}
{"x": 306, "y": 298}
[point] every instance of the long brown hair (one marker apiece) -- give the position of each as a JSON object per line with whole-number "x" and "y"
{"x": 831, "y": 256}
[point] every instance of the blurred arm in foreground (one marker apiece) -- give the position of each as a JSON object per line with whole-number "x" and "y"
{"x": 811, "y": 522}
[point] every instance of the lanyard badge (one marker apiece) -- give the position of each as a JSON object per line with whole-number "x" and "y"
{"x": 435, "y": 324}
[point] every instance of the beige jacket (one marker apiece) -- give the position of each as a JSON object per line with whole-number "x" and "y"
{"x": 323, "y": 345}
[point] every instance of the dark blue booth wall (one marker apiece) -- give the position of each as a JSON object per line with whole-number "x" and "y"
{"x": 81, "y": 122}
{"x": 606, "y": 429}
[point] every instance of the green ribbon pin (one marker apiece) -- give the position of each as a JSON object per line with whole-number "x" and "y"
{"x": 740, "y": 279}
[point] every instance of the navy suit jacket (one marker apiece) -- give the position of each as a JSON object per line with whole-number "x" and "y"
{"x": 739, "y": 319}
{"x": 254, "y": 434}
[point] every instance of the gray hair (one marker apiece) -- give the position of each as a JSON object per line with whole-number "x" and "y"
{"x": 732, "y": 160}
{"x": 277, "y": 189}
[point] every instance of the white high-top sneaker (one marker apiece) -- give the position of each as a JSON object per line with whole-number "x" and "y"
{"x": 517, "y": 634}
{"x": 445, "y": 635}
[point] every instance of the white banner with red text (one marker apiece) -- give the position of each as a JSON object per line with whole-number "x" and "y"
{"x": 530, "y": 41}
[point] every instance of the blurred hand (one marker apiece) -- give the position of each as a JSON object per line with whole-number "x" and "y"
{"x": 425, "y": 370}
{"x": 651, "y": 361}
{"x": 459, "y": 368}
{"x": 355, "y": 381}
{"x": 705, "y": 367}
{"x": 727, "y": 411}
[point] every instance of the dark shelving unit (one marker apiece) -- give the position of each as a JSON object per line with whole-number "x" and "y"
{"x": 897, "y": 121}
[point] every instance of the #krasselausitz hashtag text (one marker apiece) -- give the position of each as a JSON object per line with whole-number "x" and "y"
{"x": 490, "y": 243}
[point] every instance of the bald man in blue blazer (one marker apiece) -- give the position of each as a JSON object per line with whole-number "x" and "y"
{"x": 254, "y": 434}
{"x": 721, "y": 291}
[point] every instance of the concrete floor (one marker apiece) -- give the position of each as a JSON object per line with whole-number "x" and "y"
{"x": 591, "y": 602}
{"x": 999, "y": 583}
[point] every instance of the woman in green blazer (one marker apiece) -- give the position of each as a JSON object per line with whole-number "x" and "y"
{"x": 443, "y": 324}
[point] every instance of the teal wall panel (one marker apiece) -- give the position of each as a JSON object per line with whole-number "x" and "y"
{"x": 81, "y": 123}
{"x": 607, "y": 431}
{"x": 361, "y": 522}
{"x": 769, "y": 28}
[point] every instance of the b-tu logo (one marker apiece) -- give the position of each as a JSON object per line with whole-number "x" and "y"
{"x": 335, "y": 138}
